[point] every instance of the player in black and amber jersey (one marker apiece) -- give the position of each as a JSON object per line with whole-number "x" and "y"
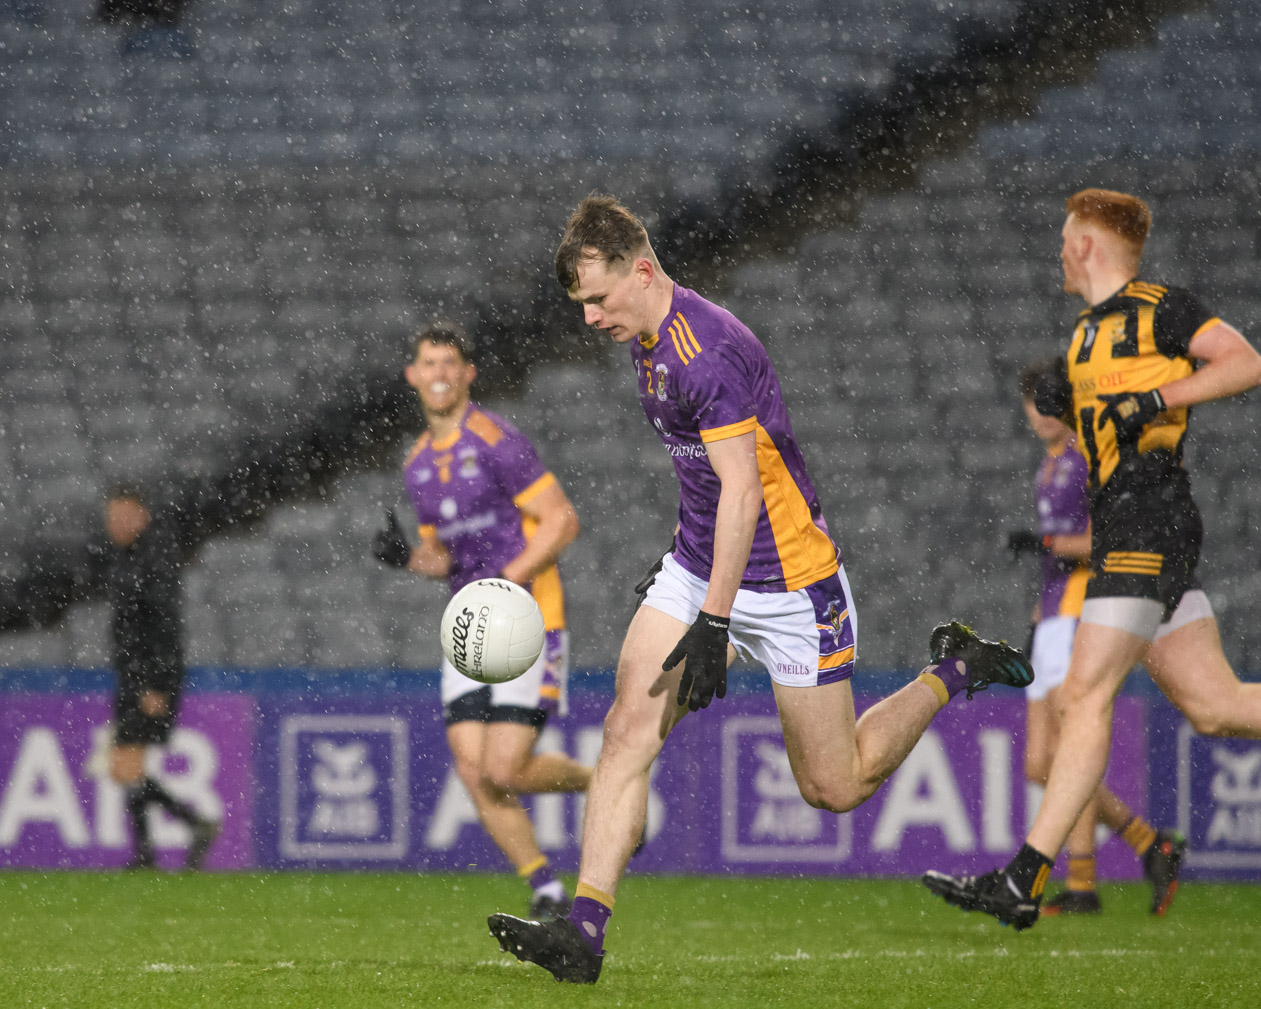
{"x": 1142, "y": 355}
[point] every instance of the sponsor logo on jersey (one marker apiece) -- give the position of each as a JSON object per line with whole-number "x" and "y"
{"x": 662, "y": 372}
{"x": 680, "y": 450}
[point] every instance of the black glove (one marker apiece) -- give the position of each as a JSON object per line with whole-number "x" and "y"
{"x": 1053, "y": 395}
{"x": 1025, "y": 541}
{"x": 390, "y": 545}
{"x": 705, "y": 648}
{"x": 644, "y": 584}
{"x": 1130, "y": 412}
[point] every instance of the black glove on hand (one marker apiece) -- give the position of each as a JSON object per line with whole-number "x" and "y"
{"x": 644, "y": 584}
{"x": 1025, "y": 541}
{"x": 705, "y": 648}
{"x": 1130, "y": 412}
{"x": 390, "y": 545}
{"x": 1053, "y": 395}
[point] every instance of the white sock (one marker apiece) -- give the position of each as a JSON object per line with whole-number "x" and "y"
{"x": 555, "y": 890}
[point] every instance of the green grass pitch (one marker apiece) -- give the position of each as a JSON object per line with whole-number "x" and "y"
{"x": 120, "y": 940}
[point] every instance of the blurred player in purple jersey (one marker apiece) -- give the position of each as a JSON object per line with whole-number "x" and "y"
{"x": 1062, "y": 544}
{"x": 1141, "y": 355}
{"x": 487, "y": 508}
{"x": 753, "y": 572}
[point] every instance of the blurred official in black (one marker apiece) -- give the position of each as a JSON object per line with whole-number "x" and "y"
{"x": 140, "y": 569}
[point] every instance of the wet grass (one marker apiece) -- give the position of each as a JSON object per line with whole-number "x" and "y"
{"x": 113, "y": 940}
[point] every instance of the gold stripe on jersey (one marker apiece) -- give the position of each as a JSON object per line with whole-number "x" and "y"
{"x": 1074, "y": 594}
{"x": 806, "y": 555}
{"x": 836, "y": 659}
{"x": 691, "y": 337}
{"x": 417, "y": 448}
{"x": 534, "y": 490}
{"x": 1215, "y": 321}
{"x": 546, "y": 588}
{"x": 709, "y": 434}
{"x": 484, "y": 428}
{"x": 1123, "y": 562}
{"x": 1116, "y": 353}
{"x": 678, "y": 348}
{"x": 1147, "y": 292}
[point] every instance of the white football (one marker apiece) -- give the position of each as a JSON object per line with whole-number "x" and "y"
{"x": 492, "y": 630}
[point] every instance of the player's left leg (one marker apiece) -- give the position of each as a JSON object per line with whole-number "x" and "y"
{"x": 839, "y": 761}
{"x": 1103, "y": 654}
{"x": 1189, "y": 667}
{"x": 498, "y": 808}
{"x": 510, "y": 767}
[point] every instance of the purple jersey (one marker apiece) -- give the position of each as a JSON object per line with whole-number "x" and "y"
{"x": 468, "y": 490}
{"x": 703, "y": 376}
{"x": 1063, "y": 508}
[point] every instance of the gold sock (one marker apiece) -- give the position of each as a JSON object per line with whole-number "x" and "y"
{"x": 530, "y": 868}
{"x": 933, "y": 682}
{"x": 1138, "y": 834}
{"x": 1081, "y": 872}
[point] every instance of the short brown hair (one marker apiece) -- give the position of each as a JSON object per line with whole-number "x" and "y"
{"x": 601, "y": 223}
{"x": 446, "y": 334}
{"x": 1126, "y": 216}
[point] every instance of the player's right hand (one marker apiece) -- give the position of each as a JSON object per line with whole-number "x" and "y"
{"x": 1053, "y": 395}
{"x": 390, "y": 545}
{"x": 1026, "y": 541}
{"x": 644, "y": 584}
{"x": 705, "y": 648}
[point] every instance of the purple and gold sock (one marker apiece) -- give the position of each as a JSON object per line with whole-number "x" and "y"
{"x": 590, "y": 915}
{"x": 537, "y": 873}
{"x": 945, "y": 679}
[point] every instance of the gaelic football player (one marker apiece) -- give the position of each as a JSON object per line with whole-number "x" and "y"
{"x": 1063, "y": 542}
{"x": 753, "y": 571}
{"x": 487, "y": 508}
{"x": 1141, "y": 355}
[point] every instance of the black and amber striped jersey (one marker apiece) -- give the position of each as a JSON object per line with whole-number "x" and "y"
{"x": 1135, "y": 341}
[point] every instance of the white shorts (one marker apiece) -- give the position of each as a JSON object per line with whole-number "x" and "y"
{"x": 803, "y": 638}
{"x": 1143, "y": 616}
{"x": 543, "y": 686}
{"x": 1052, "y": 650}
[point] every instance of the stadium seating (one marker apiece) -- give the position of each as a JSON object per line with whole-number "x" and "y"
{"x": 191, "y": 250}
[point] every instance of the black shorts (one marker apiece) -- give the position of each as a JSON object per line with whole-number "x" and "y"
{"x": 133, "y": 727}
{"x": 1145, "y": 543}
{"x": 475, "y": 706}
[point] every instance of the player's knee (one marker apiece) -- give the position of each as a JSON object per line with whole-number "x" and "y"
{"x": 834, "y": 796}
{"x": 1210, "y": 721}
{"x": 502, "y": 779}
{"x": 624, "y": 734}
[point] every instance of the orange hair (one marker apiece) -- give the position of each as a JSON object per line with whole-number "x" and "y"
{"x": 1126, "y": 216}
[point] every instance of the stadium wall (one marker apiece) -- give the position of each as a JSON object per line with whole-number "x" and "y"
{"x": 350, "y": 772}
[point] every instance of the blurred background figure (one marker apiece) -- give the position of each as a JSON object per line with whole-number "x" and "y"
{"x": 140, "y": 569}
{"x": 156, "y": 25}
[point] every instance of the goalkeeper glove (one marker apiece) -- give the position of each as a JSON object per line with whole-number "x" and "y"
{"x": 1053, "y": 395}
{"x": 1130, "y": 412}
{"x": 705, "y": 648}
{"x": 390, "y": 545}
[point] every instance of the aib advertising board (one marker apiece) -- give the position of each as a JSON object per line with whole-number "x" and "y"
{"x": 361, "y": 779}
